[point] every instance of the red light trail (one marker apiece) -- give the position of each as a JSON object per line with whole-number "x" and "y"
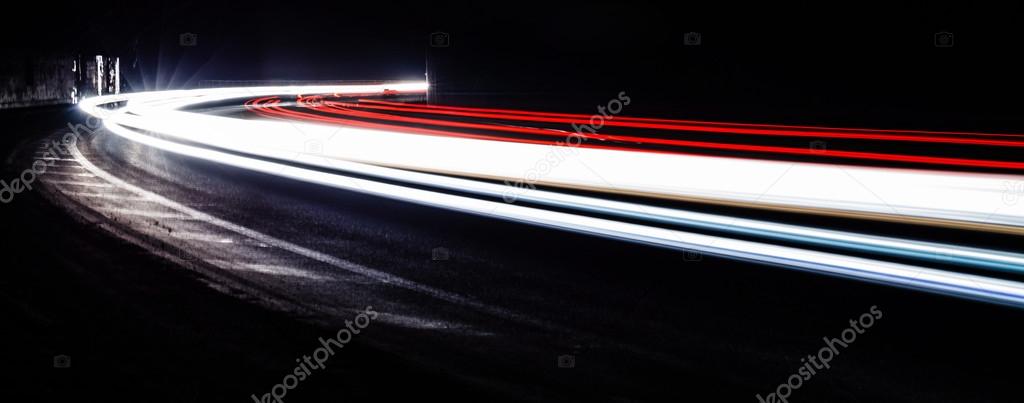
{"x": 352, "y": 112}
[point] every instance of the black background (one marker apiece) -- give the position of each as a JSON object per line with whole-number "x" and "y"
{"x": 851, "y": 64}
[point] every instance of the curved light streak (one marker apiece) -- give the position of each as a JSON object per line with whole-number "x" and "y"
{"x": 156, "y": 112}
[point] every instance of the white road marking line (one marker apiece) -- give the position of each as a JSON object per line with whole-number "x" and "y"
{"x": 380, "y": 276}
{"x": 113, "y": 196}
{"x": 277, "y": 270}
{"x": 144, "y": 213}
{"x": 65, "y": 166}
{"x": 202, "y": 236}
{"x": 45, "y": 157}
{"x": 84, "y": 184}
{"x": 86, "y": 175}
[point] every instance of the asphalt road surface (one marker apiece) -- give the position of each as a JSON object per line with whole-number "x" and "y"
{"x": 479, "y": 307}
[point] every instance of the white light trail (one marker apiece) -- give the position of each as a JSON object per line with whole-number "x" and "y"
{"x": 359, "y": 150}
{"x": 946, "y": 198}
